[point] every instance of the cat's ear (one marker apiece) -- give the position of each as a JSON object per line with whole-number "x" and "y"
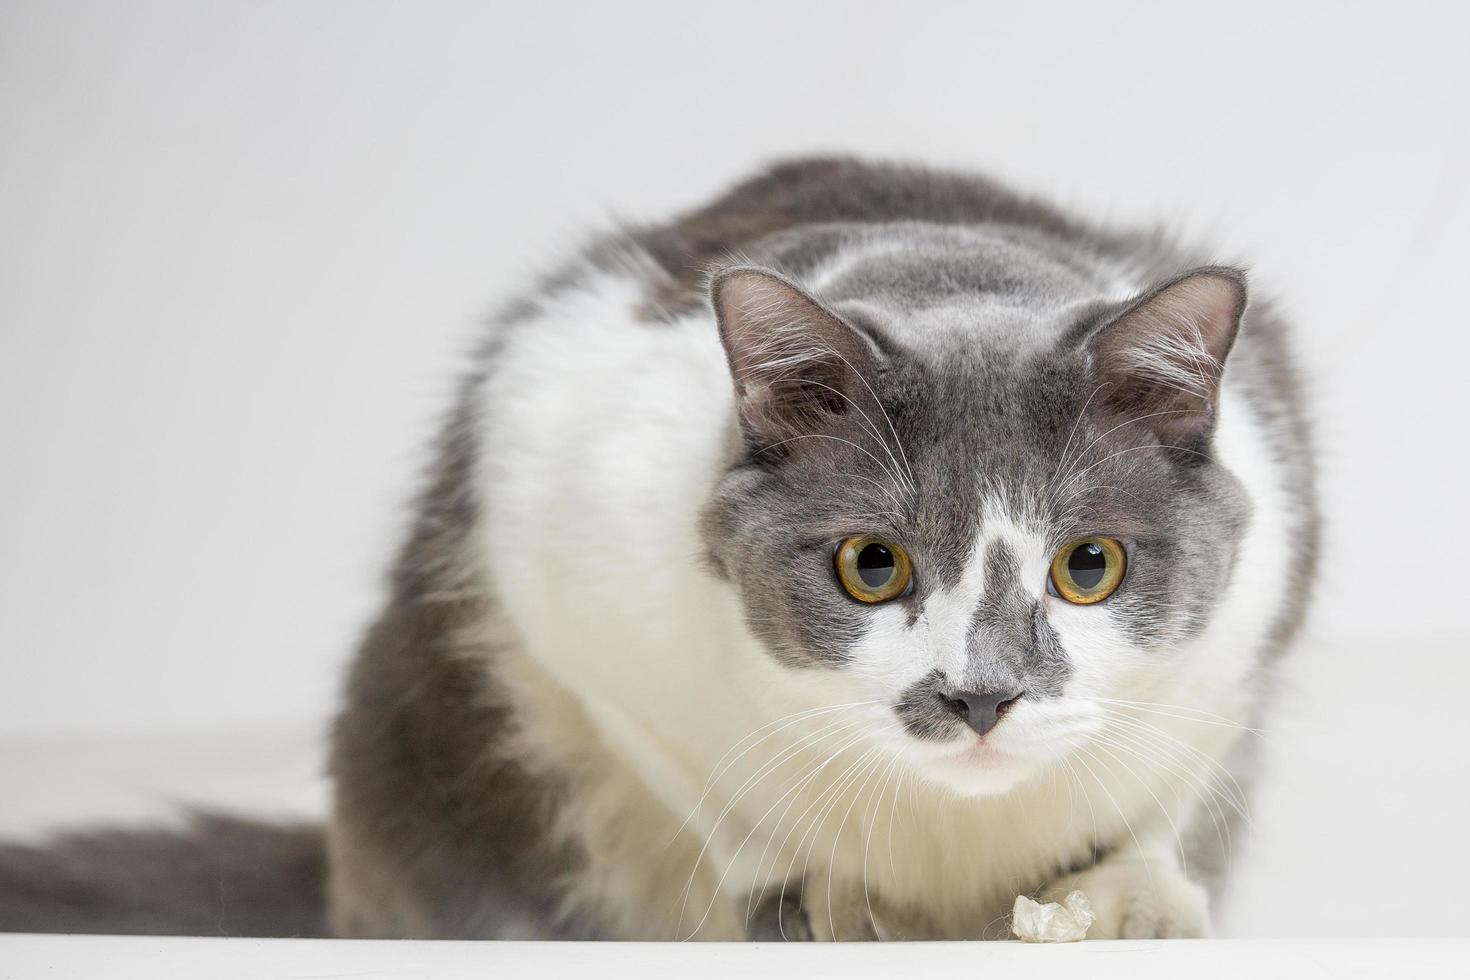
{"x": 1164, "y": 355}
{"x": 799, "y": 370}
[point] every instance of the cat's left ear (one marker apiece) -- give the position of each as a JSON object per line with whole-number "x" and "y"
{"x": 1164, "y": 355}
{"x": 800, "y": 370}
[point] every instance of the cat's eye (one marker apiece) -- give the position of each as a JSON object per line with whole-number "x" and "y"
{"x": 872, "y": 569}
{"x": 1089, "y": 570}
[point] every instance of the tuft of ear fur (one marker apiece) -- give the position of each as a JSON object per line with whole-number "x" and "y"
{"x": 798, "y": 368}
{"x": 1164, "y": 355}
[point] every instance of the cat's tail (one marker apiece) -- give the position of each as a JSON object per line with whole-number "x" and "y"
{"x": 217, "y": 876}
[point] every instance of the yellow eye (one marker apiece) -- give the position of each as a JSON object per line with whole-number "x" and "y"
{"x": 1089, "y": 570}
{"x": 872, "y": 569}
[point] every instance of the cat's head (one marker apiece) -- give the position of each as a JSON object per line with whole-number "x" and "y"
{"x": 977, "y": 508}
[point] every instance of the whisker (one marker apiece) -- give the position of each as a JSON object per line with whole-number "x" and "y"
{"x": 780, "y": 725}
{"x": 872, "y": 429}
{"x": 761, "y": 874}
{"x": 1234, "y": 794}
{"x": 830, "y": 794}
{"x": 1107, "y": 745}
{"x": 870, "y": 771}
{"x": 1203, "y": 791}
{"x": 1189, "y": 714}
{"x": 903, "y": 777}
{"x": 1102, "y": 486}
{"x": 741, "y": 847}
{"x": 749, "y": 784}
{"x": 1141, "y": 418}
{"x": 1073, "y": 434}
{"x": 1132, "y": 449}
{"x": 881, "y": 791}
{"x": 886, "y": 418}
{"x": 1112, "y": 799}
{"x": 1092, "y": 813}
{"x": 848, "y": 442}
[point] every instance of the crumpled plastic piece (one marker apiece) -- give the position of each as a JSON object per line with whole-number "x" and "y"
{"x": 1033, "y": 922}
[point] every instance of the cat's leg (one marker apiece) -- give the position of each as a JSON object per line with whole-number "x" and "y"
{"x": 438, "y": 831}
{"x": 1139, "y": 891}
{"x": 823, "y": 911}
{"x": 778, "y": 918}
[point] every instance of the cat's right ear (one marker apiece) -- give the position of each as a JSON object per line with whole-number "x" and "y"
{"x": 799, "y": 370}
{"x": 1163, "y": 357}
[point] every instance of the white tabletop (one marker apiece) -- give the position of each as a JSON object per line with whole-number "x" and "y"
{"x": 146, "y": 958}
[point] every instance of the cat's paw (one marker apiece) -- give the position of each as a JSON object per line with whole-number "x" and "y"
{"x": 778, "y": 918}
{"x": 1137, "y": 898}
{"x": 838, "y": 914}
{"x": 825, "y": 912}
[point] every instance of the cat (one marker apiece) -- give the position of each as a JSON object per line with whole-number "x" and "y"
{"x": 838, "y": 560}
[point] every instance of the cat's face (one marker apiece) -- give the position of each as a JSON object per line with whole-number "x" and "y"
{"x": 979, "y": 524}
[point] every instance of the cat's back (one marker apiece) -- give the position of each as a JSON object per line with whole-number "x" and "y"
{"x": 625, "y": 330}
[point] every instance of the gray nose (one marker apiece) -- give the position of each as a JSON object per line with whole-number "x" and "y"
{"x": 981, "y": 710}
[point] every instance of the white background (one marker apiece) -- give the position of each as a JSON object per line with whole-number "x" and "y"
{"x": 242, "y": 246}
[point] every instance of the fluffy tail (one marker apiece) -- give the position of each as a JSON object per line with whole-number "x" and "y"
{"x": 220, "y": 876}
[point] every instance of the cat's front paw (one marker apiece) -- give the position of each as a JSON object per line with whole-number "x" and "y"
{"x": 823, "y": 912}
{"x": 779, "y": 918}
{"x": 838, "y": 914}
{"x": 1138, "y": 898}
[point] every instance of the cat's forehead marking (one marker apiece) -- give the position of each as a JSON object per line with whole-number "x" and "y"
{"x": 1008, "y": 550}
{"x": 1001, "y": 530}
{"x": 1007, "y": 554}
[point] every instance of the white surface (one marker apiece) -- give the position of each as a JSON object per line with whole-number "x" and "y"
{"x": 87, "y": 957}
{"x": 62, "y": 782}
{"x": 241, "y": 245}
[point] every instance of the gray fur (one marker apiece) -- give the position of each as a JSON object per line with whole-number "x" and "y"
{"x": 220, "y": 876}
{"x": 978, "y": 315}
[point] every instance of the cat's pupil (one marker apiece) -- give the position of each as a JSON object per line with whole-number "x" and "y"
{"x": 875, "y": 565}
{"x": 1087, "y": 564}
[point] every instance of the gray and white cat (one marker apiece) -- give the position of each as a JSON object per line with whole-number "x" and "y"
{"x": 839, "y": 560}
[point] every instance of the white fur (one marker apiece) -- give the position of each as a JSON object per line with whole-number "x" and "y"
{"x": 603, "y": 437}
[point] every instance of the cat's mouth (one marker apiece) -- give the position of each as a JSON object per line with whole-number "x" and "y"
{"x": 979, "y": 750}
{"x": 976, "y": 766}
{"x": 1015, "y": 752}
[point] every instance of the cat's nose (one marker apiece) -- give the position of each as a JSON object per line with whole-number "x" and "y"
{"x": 981, "y": 710}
